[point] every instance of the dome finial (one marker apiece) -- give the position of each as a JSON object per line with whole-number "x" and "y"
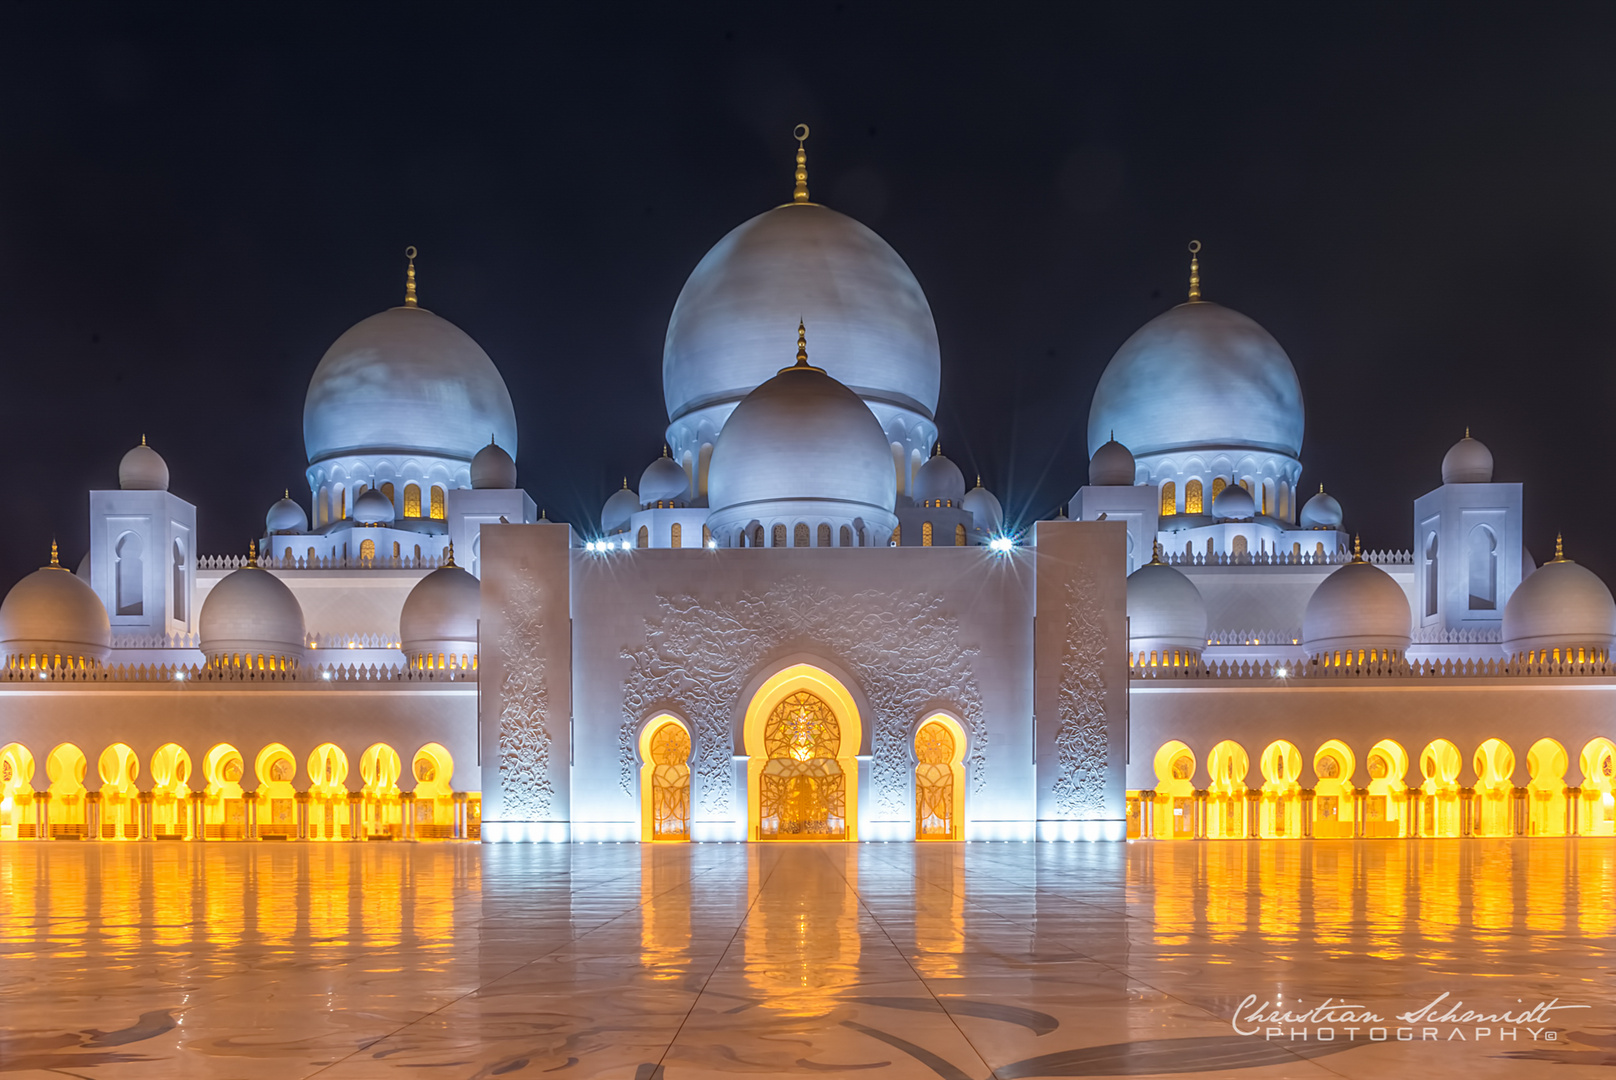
{"x": 449, "y": 561}
{"x": 1357, "y": 554}
{"x": 143, "y": 440}
{"x": 409, "y": 277}
{"x": 800, "y": 133}
{"x": 1559, "y": 549}
{"x": 252, "y": 554}
{"x": 625, "y": 483}
{"x": 54, "y": 563}
{"x": 664, "y": 449}
{"x": 1195, "y": 271}
{"x": 287, "y": 493}
{"x": 802, "y": 363}
{"x": 1155, "y": 553}
{"x": 1321, "y": 488}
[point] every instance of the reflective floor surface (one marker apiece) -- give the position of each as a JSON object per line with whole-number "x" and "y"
{"x": 267, "y": 960}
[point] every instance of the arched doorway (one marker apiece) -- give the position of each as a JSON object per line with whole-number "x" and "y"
{"x": 1546, "y": 809}
{"x": 1495, "y": 789}
{"x": 224, "y": 812}
{"x": 940, "y": 780}
{"x": 120, "y": 799}
{"x": 1597, "y": 814}
{"x": 665, "y": 780}
{"x": 434, "y": 796}
{"x": 1332, "y": 793}
{"x": 381, "y": 815}
{"x": 1175, "y": 792}
{"x": 65, "y": 767}
{"x": 16, "y": 793}
{"x": 1439, "y": 791}
{"x": 171, "y": 793}
{"x": 1282, "y": 792}
{"x": 328, "y": 793}
{"x": 277, "y": 798}
{"x": 1385, "y": 805}
{"x": 802, "y": 738}
{"x": 1226, "y": 796}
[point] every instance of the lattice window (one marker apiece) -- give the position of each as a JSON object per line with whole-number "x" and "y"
{"x": 803, "y": 793}
{"x": 934, "y": 782}
{"x": 670, "y": 783}
{"x": 412, "y": 501}
{"x": 1192, "y": 497}
{"x": 439, "y": 509}
{"x": 1169, "y": 499}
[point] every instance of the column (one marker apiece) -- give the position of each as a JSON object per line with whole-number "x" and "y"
{"x": 1522, "y": 812}
{"x": 42, "y": 801}
{"x": 92, "y": 815}
{"x": 460, "y": 815}
{"x": 1574, "y": 811}
{"x": 1467, "y": 799}
{"x": 147, "y": 829}
{"x": 406, "y": 810}
{"x": 1253, "y": 814}
{"x": 355, "y": 815}
{"x": 301, "y": 812}
{"x": 1306, "y": 831}
{"x": 1147, "y": 823}
{"x": 1200, "y": 813}
{"x": 1360, "y": 804}
{"x": 199, "y": 818}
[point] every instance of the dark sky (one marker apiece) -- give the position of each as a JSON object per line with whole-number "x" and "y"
{"x": 1417, "y": 201}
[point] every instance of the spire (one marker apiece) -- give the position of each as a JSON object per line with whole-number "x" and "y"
{"x": 625, "y": 483}
{"x": 801, "y": 135}
{"x": 1467, "y": 431}
{"x": 1155, "y": 553}
{"x": 449, "y": 561}
{"x": 55, "y": 565}
{"x": 1559, "y": 550}
{"x": 288, "y": 492}
{"x": 978, "y": 479}
{"x": 143, "y": 440}
{"x": 1195, "y": 271}
{"x": 1321, "y": 489}
{"x": 802, "y": 363}
{"x": 1357, "y": 555}
{"x": 409, "y": 277}
{"x": 252, "y": 554}
{"x": 664, "y": 449}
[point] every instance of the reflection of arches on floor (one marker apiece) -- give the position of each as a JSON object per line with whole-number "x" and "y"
{"x": 224, "y": 810}
{"x": 1386, "y": 802}
{"x": 940, "y": 779}
{"x": 328, "y": 793}
{"x": 68, "y": 814}
{"x": 1546, "y": 806}
{"x": 1333, "y": 810}
{"x": 171, "y": 793}
{"x": 17, "y": 821}
{"x": 1282, "y": 792}
{"x": 802, "y": 736}
{"x": 665, "y": 780}
{"x": 276, "y": 769}
{"x": 1597, "y": 814}
{"x": 120, "y": 797}
{"x": 1495, "y": 789}
{"x": 1439, "y": 791}
{"x": 1175, "y": 792}
{"x": 1227, "y": 765}
{"x": 381, "y": 817}
{"x": 433, "y": 767}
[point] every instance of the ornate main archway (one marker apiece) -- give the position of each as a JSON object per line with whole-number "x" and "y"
{"x": 802, "y": 735}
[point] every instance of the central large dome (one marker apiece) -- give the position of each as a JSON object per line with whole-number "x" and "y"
{"x": 406, "y": 381}
{"x": 801, "y": 261}
{"x": 1199, "y": 378}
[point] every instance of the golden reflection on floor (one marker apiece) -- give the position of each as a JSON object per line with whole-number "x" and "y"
{"x": 1008, "y": 960}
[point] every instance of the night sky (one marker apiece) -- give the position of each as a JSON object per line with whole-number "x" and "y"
{"x": 1420, "y": 204}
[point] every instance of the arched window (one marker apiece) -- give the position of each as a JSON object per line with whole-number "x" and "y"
{"x": 935, "y": 782}
{"x": 1285, "y": 500}
{"x": 342, "y": 504}
{"x": 799, "y": 535}
{"x": 1268, "y": 497}
{"x": 675, "y": 535}
{"x": 959, "y": 536}
{"x": 439, "y": 509}
{"x": 861, "y": 536}
{"x": 1483, "y": 558}
{"x": 757, "y": 536}
{"x": 1240, "y": 546}
{"x": 322, "y": 509}
{"x": 177, "y": 574}
{"x": 1318, "y": 552}
{"x": 1169, "y": 499}
{"x": 1192, "y": 497}
{"x": 925, "y": 534}
{"x": 778, "y": 537}
{"x": 309, "y": 563}
{"x": 1432, "y": 596}
{"x": 1218, "y": 484}
{"x": 803, "y": 792}
{"x": 824, "y": 536}
{"x": 367, "y": 552}
{"x": 847, "y": 536}
{"x": 643, "y": 539}
{"x": 397, "y": 551}
{"x": 417, "y": 554}
{"x": 387, "y": 489}
{"x": 129, "y": 570}
{"x": 412, "y": 501}
{"x": 668, "y": 788}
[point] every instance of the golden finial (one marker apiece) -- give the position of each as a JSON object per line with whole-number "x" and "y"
{"x": 544, "y": 515}
{"x": 54, "y": 564}
{"x": 801, "y": 135}
{"x": 1559, "y": 549}
{"x": 450, "y": 560}
{"x": 409, "y": 277}
{"x": 937, "y": 448}
{"x": 1467, "y": 431}
{"x": 1321, "y": 489}
{"x": 1155, "y": 553}
{"x": 625, "y": 483}
{"x": 1357, "y": 555}
{"x": 1195, "y": 271}
{"x": 978, "y": 479}
{"x": 288, "y": 493}
{"x": 664, "y": 449}
{"x": 143, "y": 440}
{"x": 252, "y": 553}
{"x": 802, "y": 363}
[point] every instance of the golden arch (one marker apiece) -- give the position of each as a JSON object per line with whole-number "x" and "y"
{"x": 940, "y": 747}
{"x": 1386, "y": 804}
{"x": 1281, "y": 791}
{"x": 1439, "y": 791}
{"x": 1333, "y": 797}
{"x": 1495, "y": 789}
{"x": 1175, "y": 792}
{"x": 832, "y": 727}
{"x": 276, "y": 770}
{"x": 69, "y": 814}
{"x": 119, "y": 767}
{"x": 1547, "y": 809}
{"x": 328, "y": 816}
{"x": 433, "y": 769}
{"x": 665, "y": 780}
{"x": 224, "y": 809}
{"x": 381, "y": 811}
{"x": 171, "y": 811}
{"x": 1226, "y": 795}
{"x": 17, "y": 819}
{"x": 1597, "y": 814}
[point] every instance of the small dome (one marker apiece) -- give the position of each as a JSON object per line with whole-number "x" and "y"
{"x": 1165, "y": 611}
{"x": 1234, "y": 503}
{"x": 1357, "y": 607}
{"x": 492, "y": 467}
{"x": 1468, "y": 462}
{"x": 52, "y": 613}
{"x": 986, "y": 513}
{"x": 623, "y": 505}
{"x": 1112, "y": 465}
{"x": 373, "y": 508}
{"x": 440, "y": 616}
{"x": 251, "y": 613}
{"x": 802, "y": 444}
{"x": 1561, "y": 606}
{"x": 286, "y": 516}
{"x": 143, "y": 469}
{"x": 664, "y": 481}
{"x": 939, "y": 481}
{"x": 1321, "y": 512}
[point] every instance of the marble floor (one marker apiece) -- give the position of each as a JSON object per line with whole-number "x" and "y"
{"x": 171, "y": 960}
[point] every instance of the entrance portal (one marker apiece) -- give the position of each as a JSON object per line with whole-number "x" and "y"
{"x": 802, "y": 736}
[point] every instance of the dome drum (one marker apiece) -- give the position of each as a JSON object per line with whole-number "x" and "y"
{"x": 1358, "y": 609}
{"x": 1167, "y": 619}
{"x": 1560, "y": 613}
{"x": 251, "y": 619}
{"x": 52, "y": 618}
{"x": 438, "y": 624}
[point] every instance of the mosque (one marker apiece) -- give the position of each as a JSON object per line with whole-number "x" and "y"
{"x": 801, "y": 623}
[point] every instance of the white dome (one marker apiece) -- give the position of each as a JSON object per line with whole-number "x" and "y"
{"x": 802, "y": 445}
{"x": 939, "y": 480}
{"x": 986, "y": 513}
{"x": 1357, "y": 607}
{"x": 1321, "y": 512}
{"x": 1199, "y": 378}
{"x": 492, "y": 467}
{"x": 1561, "y": 606}
{"x": 249, "y": 613}
{"x": 440, "y": 614}
{"x": 1468, "y": 461}
{"x": 286, "y": 516}
{"x": 623, "y": 504}
{"x": 1112, "y": 465}
{"x": 373, "y": 508}
{"x": 1234, "y": 503}
{"x": 143, "y": 469}
{"x": 801, "y": 261}
{"x": 664, "y": 481}
{"x": 51, "y": 613}
{"x": 406, "y": 381}
{"x": 1165, "y": 611}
